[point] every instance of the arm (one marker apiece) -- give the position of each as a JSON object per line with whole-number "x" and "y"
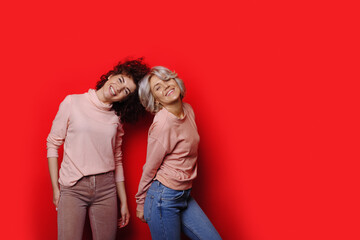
{"x": 155, "y": 155}
{"x": 124, "y": 210}
{"x": 53, "y": 169}
{"x": 119, "y": 179}
{"x": 54, "y": 141}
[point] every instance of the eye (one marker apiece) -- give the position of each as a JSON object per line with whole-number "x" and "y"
{"x": 121, "y": 80}
{"x": 157, "y": 88}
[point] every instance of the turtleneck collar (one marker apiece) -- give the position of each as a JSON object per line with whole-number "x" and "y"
{"x": 96, "y": 101}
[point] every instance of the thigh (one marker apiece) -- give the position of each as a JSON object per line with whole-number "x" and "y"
{"x": 71, "y": 214}
{"x": 195, "y": 224}
{"x": 162, "y": 212}
{"x": 103, "y": 211}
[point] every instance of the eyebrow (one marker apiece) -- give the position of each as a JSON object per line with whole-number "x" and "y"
{"x": 156, "y": 85}
{"x": 122, "y": 78}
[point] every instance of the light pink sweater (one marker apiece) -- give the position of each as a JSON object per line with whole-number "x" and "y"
{"x": 92, "y": 134}
{"x": 171, "y": 153}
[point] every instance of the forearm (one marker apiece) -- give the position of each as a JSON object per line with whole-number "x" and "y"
{"x": 53, "y": 170}
{"x": 154, "y": 158}
{"x": 121, "y": 192}
{"x": 145, "y": 182}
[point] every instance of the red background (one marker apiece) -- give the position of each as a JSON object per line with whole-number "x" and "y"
{"x": 273, "y": 85}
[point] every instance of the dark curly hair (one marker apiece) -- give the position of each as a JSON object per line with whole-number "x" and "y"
{"x": 130, "y": 108}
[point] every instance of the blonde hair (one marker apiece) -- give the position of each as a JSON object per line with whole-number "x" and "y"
{"x": 145, "y": 95}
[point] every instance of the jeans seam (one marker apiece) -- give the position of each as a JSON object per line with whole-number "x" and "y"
{"x": 163, "y": 228}
{"x": 149, "y": 208}
{"x": 93, "y": 225}
{"x": 191, "y": 231}
{"x": 161, "y": 214}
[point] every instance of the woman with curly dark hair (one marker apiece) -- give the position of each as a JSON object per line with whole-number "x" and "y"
{"x": 91, "y": 172}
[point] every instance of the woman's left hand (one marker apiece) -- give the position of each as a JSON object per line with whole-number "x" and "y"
{"x": 125, "y": 216}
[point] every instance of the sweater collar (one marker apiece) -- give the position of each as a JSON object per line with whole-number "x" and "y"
{"x": 96, "y": 101}
{"x": 175, "y": 118}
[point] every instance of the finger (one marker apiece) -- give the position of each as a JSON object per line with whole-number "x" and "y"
{"x": 127, "y": 219}
{"x": 121, "y": 222}
{"x": 140, "y": 216}
{"x": 56, "y": 202}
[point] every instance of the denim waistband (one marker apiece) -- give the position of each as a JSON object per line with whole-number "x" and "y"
{"x": 100, "y": 174}
{"x": 157, "y": 186}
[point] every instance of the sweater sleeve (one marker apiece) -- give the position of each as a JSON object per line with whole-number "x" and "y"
{"x": 119, "y": 171}
{"x": 59, "y": 127}
{"x": 154, "y": 157}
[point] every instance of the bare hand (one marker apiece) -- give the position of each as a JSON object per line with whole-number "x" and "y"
{"x": 56, "y": 197}
{"x": 125, "y": 216}
{"x": 140, "y": 215}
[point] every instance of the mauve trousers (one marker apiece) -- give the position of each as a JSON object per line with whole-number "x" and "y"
{"x": 96, "y": 194}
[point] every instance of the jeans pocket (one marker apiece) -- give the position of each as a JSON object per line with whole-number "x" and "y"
{"x": 169, "y": 194}
{"x": 149, "y": 200}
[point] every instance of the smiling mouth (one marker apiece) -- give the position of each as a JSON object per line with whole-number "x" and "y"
{"x": 112, "y": 91}
{"x": 169, "y": 92}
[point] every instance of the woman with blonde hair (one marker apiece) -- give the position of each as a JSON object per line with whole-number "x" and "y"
{"x": 163, "y": 198}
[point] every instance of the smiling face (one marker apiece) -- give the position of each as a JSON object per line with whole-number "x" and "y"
{"x": 117, "y": 88}
{"x": 165, "y": 92}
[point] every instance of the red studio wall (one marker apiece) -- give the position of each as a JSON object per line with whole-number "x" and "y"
{"x": 273, "y": 85}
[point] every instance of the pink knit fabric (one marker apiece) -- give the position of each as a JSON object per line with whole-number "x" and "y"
{"x": 171, "y": 153}
{"x": 92, "y": 137}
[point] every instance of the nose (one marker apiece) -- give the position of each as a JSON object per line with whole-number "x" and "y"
{"x": 166, "y": 85}
{"x": 120, "y": 89}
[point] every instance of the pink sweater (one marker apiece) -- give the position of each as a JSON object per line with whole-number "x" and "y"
{"x": 92, "y": 134}
{"x": 171, "y": 153}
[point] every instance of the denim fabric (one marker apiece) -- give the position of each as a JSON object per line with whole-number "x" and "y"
{"x": 96, "y": 194}
{"x": 168, "y": 212}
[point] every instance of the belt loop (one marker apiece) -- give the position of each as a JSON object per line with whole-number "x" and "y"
{"x": 93, "y": 181}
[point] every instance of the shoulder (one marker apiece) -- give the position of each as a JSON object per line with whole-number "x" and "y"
{"x": 189, "y": 109}
{"x": 66, "y": 101}
{"x": 72, "y": 100}
{"x": 187, "y": 106}
{"x": 76, "y": 98}
{"x": 160, "y": 123}
{"x": 71, "y": 97}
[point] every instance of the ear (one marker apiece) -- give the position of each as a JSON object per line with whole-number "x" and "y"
{"x": 157, "y": 103}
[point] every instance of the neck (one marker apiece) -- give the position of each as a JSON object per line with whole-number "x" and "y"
{"x": 100, "y": 95}
{"x": 176, "y": 109}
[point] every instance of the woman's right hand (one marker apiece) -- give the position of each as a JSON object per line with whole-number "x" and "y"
{"x": 140, "y": 215}
{"x": 54, "y": 176}
{"x": 56, "y": 197}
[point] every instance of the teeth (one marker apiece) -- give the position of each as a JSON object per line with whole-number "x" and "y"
{"x": 169, "y": 92}
{"x": 112, "y": 91}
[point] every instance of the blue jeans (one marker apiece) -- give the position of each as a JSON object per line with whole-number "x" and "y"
{"x": 168, "y": 212}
